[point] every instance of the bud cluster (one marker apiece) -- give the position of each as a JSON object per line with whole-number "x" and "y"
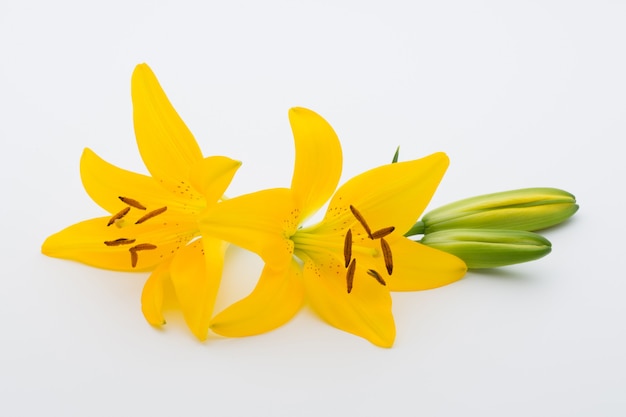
{"x": 496, "y": 229}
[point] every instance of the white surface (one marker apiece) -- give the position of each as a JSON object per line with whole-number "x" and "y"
{"x": 518, "y": 94}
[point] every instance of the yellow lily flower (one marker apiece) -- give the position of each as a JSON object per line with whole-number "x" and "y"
{"x": 346, "y": 264}
{"x": 152, "y": 221}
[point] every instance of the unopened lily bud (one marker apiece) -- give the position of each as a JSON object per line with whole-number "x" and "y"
{"x": 489, "y": 248}
{"x": 525, "y": 209}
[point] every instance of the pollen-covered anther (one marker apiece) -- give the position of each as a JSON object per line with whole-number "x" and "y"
{"x": 377, "y": 276}
{"x": 387, "y": 255}
{"x": 350, "y": 275}
{"x": 383, "y": 232}
{"x": 347, "y": 248}
{"x": 119, "y": 242}
{"x": 151, "y": 214}
{"x": 133, "y": 251}
{"x": 118, "y": 215}
{"x": 133, "y": 203}
{"x": 357, "y": 214}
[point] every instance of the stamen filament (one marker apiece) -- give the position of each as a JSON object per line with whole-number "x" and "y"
{"x": 151, "y": 214}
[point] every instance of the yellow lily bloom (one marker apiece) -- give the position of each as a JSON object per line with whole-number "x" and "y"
{"x": 344, "y": 265}
{"x": 152, "y": 221}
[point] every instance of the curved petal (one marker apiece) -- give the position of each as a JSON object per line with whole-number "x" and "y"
{"x": 318, "y": 160}
{"x": 153, "y": 294}
{"x": 85, "y": 242}
{"x": 167, "y": 147}
{"x": 419, "y": 267}
{"x": 277, "y": 297}
{"x": 197, "y": 280}
{"x": 105, "y": 183}
{"x": 211, "y": 176}
{"x": 259, "y": 222}
{"x": 390, "y": 195}
{"x": 365, "y": 311}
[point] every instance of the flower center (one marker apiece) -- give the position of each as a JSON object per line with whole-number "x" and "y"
{"x": 118, "y": 220}
{"x": 350, "y": 261}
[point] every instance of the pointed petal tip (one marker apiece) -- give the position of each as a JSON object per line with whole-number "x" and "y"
{"x": 142, "y": 69}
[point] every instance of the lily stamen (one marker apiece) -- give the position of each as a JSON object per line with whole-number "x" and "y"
{"x": 120, "y": 241}
{"x": 361, "y": 220}
{"x": 151, "y": 214}
{"x": 133, "y": 252}
{"x": 350, "y": 274}
{"x": 377, "y": 276}
{"x": 118, "y": 215}
{"x": 133, "y": 203}
{"x": 347, "y": 248}
{"x": 382, "y": 232}
{"x": 387, "y": 255}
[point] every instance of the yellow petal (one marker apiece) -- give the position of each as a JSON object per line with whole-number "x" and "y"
{"x": 390, "y": 195}
{"x": 167, "y": 147}
{"x": 365, "y": 311}
{"x": 105, "y": 183}
{"x": 85, "y": 242}
{"x": 276, "y": 299}
{"x": 211, "y": 176}
{"x": 318, "y": 160}
{"x": 419, "y": 267}
{"x": 259, "y": 222}
{"x": 153, "y": 294}
{"x": 197, "y": 280}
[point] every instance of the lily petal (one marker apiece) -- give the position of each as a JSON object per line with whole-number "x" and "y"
{"x": 418, "y": 267}
{"x": 318, "y": 160}
{"x": 257, "y": 222}
{"x": 153, "y": 294}
{"x": 85, "y": 242}
{"x": 391, "y": 195}
{"x": 365, "y": 311}
{"x": 105, "y": 183}
{"x": 277, "y": 297}
{"x": 196, "y": 281}
{"x": 167, "y": 147}
{"x": 211, "y": 176}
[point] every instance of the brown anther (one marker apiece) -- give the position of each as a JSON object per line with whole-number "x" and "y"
{"x": 383, "y": 232}
{"x": 347, "y": 247}
{"x": 376, "y": 276}
{"x": 143, "y": 246}
{"x": 120, "y": 241}
{"x": 150, "y": 215}
{"x": 133, "y": 251}
{"x": 118, "y": 215}
{"x": 350, "y": 275}
{"x": 132, "y": 203}
{"x": 361, "y": 220}
{"x": 387, "y": 255}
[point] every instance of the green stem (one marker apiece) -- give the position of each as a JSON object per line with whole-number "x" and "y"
{"x": 417, "y": 229}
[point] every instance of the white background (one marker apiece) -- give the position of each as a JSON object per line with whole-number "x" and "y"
{"x": 519, "y": 94}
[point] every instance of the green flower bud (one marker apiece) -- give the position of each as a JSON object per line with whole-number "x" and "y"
{"x": 489, "y": 248}
{"x": 525, "y": 209}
